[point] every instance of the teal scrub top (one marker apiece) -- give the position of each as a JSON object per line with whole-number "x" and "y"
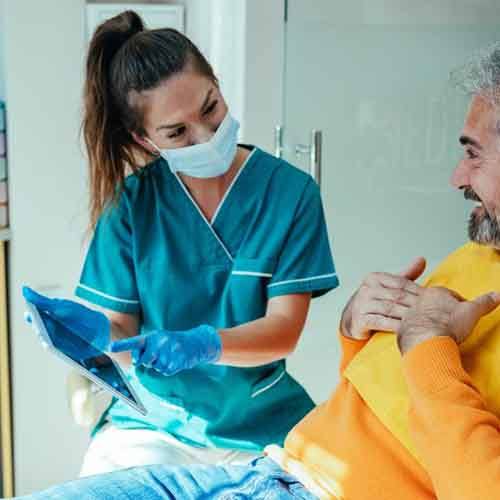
{"x": 154, "y": 254}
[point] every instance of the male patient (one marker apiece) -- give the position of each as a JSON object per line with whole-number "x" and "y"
{"x": 415, "y": 414}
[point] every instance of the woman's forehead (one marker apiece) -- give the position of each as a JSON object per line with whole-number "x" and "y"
{"x": 178, "y": 99}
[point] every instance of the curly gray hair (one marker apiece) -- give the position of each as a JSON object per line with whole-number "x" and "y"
{"x": 481, "y": 75}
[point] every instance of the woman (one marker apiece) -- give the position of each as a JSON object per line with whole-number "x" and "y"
{"x": 211, "y": 252}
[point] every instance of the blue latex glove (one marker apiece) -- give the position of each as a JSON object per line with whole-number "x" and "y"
{"x": 171, "y": 352}
{"x": 66, "y": 341}
{"x": 92, "y": 326}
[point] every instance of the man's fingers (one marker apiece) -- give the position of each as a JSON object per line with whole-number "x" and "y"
{"x": 130, "y": 344}
{"x": 415, "y": 269}
{"x": 402, "y": 281}
{"x": 387, "y": 309}
{"x": 381, "y": 323}
{"x": 397, "y": 296}
{"x": 487, "y": 303}
{"x": 393, "y": 281}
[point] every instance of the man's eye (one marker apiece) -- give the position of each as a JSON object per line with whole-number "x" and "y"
{"x": 177, "y": 133}
{"x": 210, "y": 109}
{"x": 471, "y": 154}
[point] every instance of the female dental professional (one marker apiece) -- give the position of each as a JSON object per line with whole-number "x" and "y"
{"x": 205, "y": 254}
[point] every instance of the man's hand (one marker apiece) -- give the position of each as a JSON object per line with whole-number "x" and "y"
{"x": 441, "y": 312}
{"x": 381, "y": 302}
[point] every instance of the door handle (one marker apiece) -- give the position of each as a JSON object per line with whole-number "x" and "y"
{"x": 315, "y": 152}
{"x": 278, "y": 141}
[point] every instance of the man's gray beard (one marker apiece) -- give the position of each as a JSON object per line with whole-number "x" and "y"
{"x": 485, "y": 230}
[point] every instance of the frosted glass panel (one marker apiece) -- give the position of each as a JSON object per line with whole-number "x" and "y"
{"x": 376, "y": 84}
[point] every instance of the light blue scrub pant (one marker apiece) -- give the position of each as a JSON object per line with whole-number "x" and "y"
{"x": 263, "y": 479}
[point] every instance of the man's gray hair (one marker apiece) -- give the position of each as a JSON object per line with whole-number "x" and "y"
{"x": 481, "y": 75}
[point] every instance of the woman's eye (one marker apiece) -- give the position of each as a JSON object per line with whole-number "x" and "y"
{"x": 177, "y": 133}
{"x": 210, "y": 109}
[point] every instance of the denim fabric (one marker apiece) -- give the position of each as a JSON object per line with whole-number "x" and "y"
{"x": 261, "y": 480}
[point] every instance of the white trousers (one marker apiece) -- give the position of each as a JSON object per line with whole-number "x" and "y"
{"x": 113, "y": 449}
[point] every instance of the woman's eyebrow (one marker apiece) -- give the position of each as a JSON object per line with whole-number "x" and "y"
{"x": 177, "y": 125}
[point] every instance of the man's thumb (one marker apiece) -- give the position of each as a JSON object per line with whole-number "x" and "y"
{"x": 415, "y": 269}
{"x": 486, "y": 303}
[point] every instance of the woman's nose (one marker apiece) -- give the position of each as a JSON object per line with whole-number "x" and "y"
{"x": 200, "y": 135}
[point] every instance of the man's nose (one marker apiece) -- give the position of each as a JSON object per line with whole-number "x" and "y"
{"x": 460, "y": 176}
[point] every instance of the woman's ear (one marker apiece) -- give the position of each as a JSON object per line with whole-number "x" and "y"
{"x": 144, "y": 143}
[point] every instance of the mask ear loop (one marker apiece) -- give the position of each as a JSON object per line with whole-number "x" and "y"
{"x": 151, "y": 143}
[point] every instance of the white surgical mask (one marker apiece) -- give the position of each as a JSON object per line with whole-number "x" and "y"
{"x": 209, "y": 159}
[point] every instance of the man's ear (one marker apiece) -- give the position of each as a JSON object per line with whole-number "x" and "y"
{"x": 145, "y": 143}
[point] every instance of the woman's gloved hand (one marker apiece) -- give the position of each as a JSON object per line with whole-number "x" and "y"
{"x": 171, "y": 352}
{"x": 92, "y": 326}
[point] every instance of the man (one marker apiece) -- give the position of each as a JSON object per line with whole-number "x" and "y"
{"x": 441, "y": 366}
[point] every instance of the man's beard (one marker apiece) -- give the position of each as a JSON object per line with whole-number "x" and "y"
{"x": 483, "y": 229}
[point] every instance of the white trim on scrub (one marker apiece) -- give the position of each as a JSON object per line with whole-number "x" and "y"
{"x": 299, "y": 280}
{"x": 271, "y": 384}
{"x": 252, "y": 273}
{"x": 106, "y": 296}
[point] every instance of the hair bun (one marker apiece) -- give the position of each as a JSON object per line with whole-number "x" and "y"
{"x": 127, "y": 23}
{"x": 116, "y": 31}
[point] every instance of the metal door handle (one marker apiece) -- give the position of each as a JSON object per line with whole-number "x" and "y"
{"x": 314, "y": 150}
{"x": 278, "y": 141}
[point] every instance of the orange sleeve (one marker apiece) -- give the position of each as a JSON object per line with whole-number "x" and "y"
{"x": 350, "y": 347}
{"x": 457, "y": 438}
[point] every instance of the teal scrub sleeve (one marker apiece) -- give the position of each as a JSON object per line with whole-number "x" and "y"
{"x": 108, "y": 278}
{"x": 305, "y": 264}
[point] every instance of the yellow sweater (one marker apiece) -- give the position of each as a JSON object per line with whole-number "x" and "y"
{"x": 419, "y": 427}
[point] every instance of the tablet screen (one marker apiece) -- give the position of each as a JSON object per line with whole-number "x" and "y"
{"x": 96, "y": 364}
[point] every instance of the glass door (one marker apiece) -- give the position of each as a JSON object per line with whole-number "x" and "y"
{"x": 368, "y": 109}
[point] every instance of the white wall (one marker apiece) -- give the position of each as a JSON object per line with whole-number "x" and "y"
{"x": 263, "y": 71}
{"x": 44, "y": 51}
{"x": 226, "y": 53}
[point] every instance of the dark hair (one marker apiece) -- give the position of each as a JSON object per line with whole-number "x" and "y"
{"x": 124, "y": 59}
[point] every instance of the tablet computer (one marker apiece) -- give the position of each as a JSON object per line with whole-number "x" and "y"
{"x": 92, "y": 362}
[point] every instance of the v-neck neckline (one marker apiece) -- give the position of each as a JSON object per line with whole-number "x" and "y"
{"x": 230, "y": 188}
{"x": 228, "y": 191}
